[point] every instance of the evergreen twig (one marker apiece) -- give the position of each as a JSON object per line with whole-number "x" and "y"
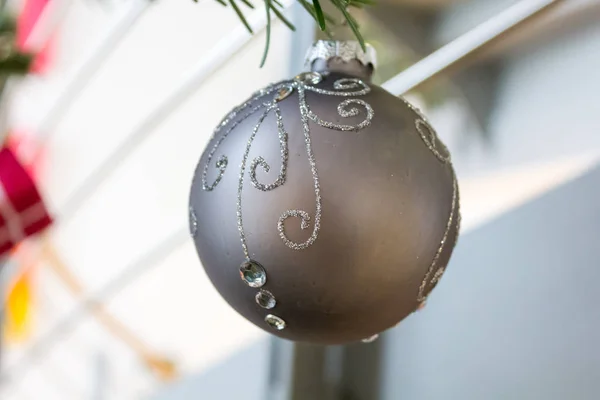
{"x": 248, "y": 4}
{"x": 240, "y": 15}
{"x": 268, "y": 6}
{"x": 313, "y": 8}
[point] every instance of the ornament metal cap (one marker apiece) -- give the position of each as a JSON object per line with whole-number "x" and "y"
{"x": 345, "y": 50}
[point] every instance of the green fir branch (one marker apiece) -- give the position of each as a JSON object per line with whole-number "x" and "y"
{"x": 12, "y": 60}
{"x": 343, "y": 7}
{"x": 283, "y": 19}
{"x": 240, "y": 15}
{"x": 320, "y": 15}
{"x": 248, "y": 4}
{"x": 268, "y": 6}
{"x": 313, "y": 8}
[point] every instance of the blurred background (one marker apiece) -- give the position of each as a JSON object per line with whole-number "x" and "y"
{"x": 514, "y": 318}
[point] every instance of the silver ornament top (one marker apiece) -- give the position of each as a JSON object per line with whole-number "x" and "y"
{"x": 344, "y": 50}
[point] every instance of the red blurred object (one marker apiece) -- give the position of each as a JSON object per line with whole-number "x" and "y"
{"x": 28, "y": 151}
{"x": 22, "y": 210}
{"x": 29, "y": 17}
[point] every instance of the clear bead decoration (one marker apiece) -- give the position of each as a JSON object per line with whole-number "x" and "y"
{"x": 371, "y": 339}
{"x": 265, "y": 299}
{"x": 283, "y": 93}
{"x": 275, "y": 322}
{"x": 253, "y": 274}
{"x": 311, "y": 78}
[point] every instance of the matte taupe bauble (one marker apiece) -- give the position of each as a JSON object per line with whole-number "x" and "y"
{"x": 325, "y": 209}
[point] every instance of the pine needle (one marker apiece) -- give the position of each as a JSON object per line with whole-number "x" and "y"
{"x": 283, "y": 19}
{"x": 320, "y": 15}
{"x": 268, "y": 39}
{"x": 351, "y": 22}
{"x": 312, "y": 7}
{"x": 240, "y": 15}
{"x": 247, "y": 3}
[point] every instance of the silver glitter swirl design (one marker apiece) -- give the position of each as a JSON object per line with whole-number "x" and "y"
{"x": 303, "y": 215}
{"x": 429, "y": 137}
{"x": 343, "y": 84}
{"x": 240, "y": 221}
{"x": 342, "y": 87}
{"x": 260, "y": 161}
{"x": 438, "y": 274}
{"x": 346, "y": 113}
{"x": 428, "y": 134}
{"x": 306, "y": 115}
{"x": 223, "y": 161}
{"x": 345, "y": 87}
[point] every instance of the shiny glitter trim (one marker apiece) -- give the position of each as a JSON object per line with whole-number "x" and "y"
{"x": 303, "y": 215}
{"x": 306, "y": 115}
{"x": 430, "y": 138}
{"x": 269, "y": 107}
{"x": 342, "y": 87}
{"x": 193, "y": 222}
{"x": 222, "y": 162}
{"x": 352, "y": 112}
{"x": 260, "y": 161}
{"x": 345, "y": 50}
{"x": 414, "y": 108}
{"x": 458, "y": 226}
{"x": 438, "y": 275}
{"x": 426, "y": 280}
{"x": 428, "y": 134}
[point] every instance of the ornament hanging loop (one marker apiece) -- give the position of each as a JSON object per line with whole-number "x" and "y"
{"x": 347, "y": 57}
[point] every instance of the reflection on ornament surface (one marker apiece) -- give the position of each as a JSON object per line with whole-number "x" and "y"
{"x": 371, "y": 339}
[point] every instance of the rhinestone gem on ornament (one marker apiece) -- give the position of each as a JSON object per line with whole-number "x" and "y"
{"x": 275, "y": 322}
{"x": 283, "y": 93}
{"x": 311, "y": 78}
{"x": 253, "y": 274}
{"x": 265, "y": 299}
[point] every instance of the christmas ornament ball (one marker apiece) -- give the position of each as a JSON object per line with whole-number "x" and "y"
{"x": 324, "y": 209}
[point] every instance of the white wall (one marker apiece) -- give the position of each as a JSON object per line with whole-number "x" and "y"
{"x": 546, "y": 106}
{"x": 173, "y": 307}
